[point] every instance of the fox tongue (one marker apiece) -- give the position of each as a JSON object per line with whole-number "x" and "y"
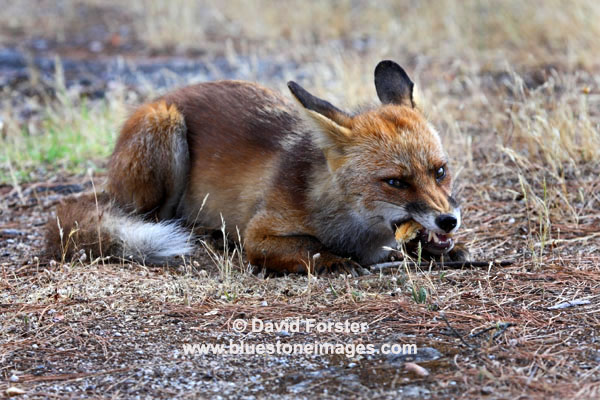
{"x": 431, "y": 242}
{"x": 429, "y": 236}
{"x": 442, "y": 238}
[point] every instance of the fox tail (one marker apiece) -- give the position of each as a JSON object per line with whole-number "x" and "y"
{"x": 98, "y": 227}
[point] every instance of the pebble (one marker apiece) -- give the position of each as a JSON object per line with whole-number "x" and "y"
{"x": 417, "y": 369}
{"x": 96, "y": 46}
{"x": 14, "y": 391}
{"x": 487, "y": 390}
{"x": 14, "y": 378}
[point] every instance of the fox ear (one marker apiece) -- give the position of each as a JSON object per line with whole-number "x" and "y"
{"x": 322, "y": 107}
{"x": 334, "y": 124}
{"x": 393, "y": 84}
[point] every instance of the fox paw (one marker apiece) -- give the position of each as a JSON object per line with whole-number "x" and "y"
{"x": 459, "y": 253}
{"x": 330, "y": 264}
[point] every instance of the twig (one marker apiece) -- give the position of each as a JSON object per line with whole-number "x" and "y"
{"x": 451, "y": 264}
{"x": 567, "y": 304}
{"x": 501, "y": 327}
{"x": 481, "y": 332}
{"x": 573, "y": 240}
{"x": 454, "y": 331}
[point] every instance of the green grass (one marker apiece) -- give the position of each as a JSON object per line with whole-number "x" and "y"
{"x": 69, "y": 137}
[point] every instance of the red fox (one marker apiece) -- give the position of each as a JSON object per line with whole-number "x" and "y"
{"x": 309, "y": 186}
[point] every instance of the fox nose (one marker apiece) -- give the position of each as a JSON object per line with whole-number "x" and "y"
{"x": 447, "y": 222}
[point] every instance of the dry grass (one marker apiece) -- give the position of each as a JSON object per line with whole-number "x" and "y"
{"x": 555, "y": 124}
{"x": 513, "y": 87}
{"x": 481, "y": 30}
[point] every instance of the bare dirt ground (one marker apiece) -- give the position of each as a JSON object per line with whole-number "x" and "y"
{"x": 520, "y": 122}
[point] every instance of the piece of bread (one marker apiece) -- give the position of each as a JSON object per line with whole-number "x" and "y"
{"x": 407, "y": 231}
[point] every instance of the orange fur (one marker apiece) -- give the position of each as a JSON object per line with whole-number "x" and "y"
{"x": 143, "y": 175}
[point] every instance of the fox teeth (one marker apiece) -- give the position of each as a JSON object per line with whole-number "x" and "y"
{"x": 435, "y": 238}
{"x": 429, "y": 236}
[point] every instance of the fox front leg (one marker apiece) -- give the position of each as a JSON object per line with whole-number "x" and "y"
{"x": 459, "y": 253}
{"x": 295, "y": 254}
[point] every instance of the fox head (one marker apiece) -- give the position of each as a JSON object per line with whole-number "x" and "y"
{"x": 388, "y": 161}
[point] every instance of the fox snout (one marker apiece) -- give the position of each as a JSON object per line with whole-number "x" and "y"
{"x": 438, "y": 226}
{"x": 434, "y": 220}
{"x": 447, "y": 222}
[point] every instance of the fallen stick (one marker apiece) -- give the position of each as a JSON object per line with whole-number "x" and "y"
{"x": 500, "y": 327}
{"x": 567, "y": 304}
{"x": 455, "y": 332}
{"x": 451, "y": 264}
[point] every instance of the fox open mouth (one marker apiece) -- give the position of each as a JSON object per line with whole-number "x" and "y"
{"x": 432, "y": 242}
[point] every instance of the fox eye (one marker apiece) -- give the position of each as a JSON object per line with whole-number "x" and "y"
{"x": 440, "y": 173}
{"x": 397, "y": 183}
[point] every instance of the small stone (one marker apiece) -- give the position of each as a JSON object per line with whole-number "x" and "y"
{"x": 39, "y": 370}
{"x": 13, "y": 378}
{"x": 14, "y": 391}
{"x": 487, "y": 390}
{"x": 417, "y": 369}
{"x": 96, "y": 46}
